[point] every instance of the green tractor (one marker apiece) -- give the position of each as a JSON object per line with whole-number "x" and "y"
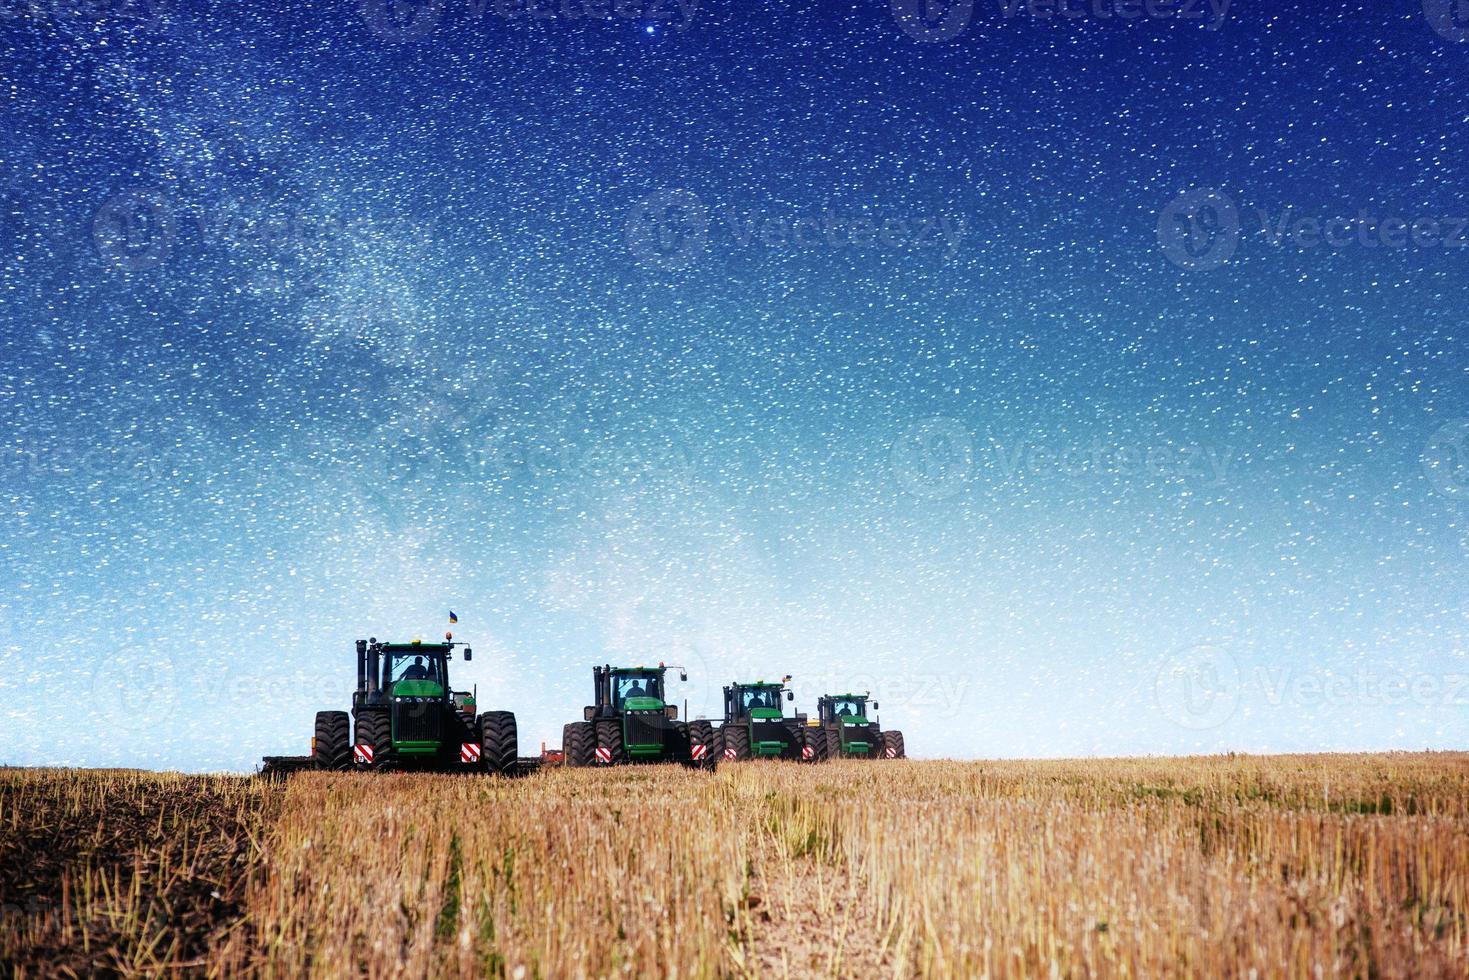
{"x": 404, "y": 716}
{"x": 842, "y": 721}
{"x": 630, "y": 721}
{"x": 755, "y": 727}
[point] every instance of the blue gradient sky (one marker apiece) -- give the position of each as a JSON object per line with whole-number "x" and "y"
{"x": 1005, "y": 373}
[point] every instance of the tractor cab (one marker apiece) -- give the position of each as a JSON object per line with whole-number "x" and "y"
{"x": 757, "y": 700}
{"x": 846, "y": 709}
{"x": 637, "y": 689}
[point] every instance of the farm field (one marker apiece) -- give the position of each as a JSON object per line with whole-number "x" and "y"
{"x": 1298, "y": 866}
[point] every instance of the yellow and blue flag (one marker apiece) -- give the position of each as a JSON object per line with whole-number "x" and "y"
{"x": 453, "y": 618}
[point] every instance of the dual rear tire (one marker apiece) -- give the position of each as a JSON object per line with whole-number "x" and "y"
{"x": 332, "y": 745}
{"x": 701, "y": 735}
{"x": 735, "y": 741}
{"x": 498, "y": 742}
{"x": 579, "y": 744}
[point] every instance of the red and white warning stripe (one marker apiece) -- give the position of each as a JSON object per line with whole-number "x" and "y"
{"x": 700, "y": 751}
{"x": 730, "y": 753}
{"x": 604, "y": 754}
{"x": 362, "y": 753}
{"x": 891, "y": 752}
{"x": 806, "y": 752}
{"x": 469, "y": 752}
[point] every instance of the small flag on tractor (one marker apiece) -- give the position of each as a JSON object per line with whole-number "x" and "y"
{"x": 453, "y": 619}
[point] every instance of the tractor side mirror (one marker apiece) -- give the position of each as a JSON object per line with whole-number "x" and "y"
{"x": 875, "y": 706}
{"x": 683, "y": 677}
{"x": 790, "y": 695}
{"x": 468, "y": 654}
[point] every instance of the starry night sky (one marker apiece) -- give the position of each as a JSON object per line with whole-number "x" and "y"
{"x": 1005, "y": 374}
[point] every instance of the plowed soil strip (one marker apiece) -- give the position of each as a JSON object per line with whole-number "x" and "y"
{"x": 125, "y": 872}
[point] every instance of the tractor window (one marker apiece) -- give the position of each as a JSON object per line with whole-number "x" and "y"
{"x": 636, "y": 686}
{"x": 760, "y": 697}
{"x": 849, "y": 708}
{"x": 412, "y": 667}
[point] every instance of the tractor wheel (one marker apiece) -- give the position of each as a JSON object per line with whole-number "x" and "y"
{"x": 375, "y": 728}
{"x": 497, "y": 737}
{"x": 701, "y": 733}
{"x": 892, "y": 741}
{"x": 579, "y": 744}
{"x": 833, "y": 742}
{"x": 609, "y": 737}
{"x": 815, "y": 740}
{"x": 332, "y": 746}
{"x": 736, "y": 742}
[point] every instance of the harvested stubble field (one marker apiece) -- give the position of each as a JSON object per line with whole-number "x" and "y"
{"x": 1278, "y": 866}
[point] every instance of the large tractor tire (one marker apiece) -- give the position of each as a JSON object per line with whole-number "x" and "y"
{"x": 833, "y": 738}
{"x": 497, "y": 742}
{"x": 579, "y": 744}
{"x": 736, "y": 742}
{"x": 702, "y": 745}
{"x": 892, "y": 745}
{"x": 609, "y": 738}
{"x": 815, "y": 740}
{"x": 375, "y": 728}
{"x": 332, "y": 747}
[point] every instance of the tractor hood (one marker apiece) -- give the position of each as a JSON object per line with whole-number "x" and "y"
{"x": 417, "y": 689}
{"x": 765, "y": 713}
{"x": 853, "y": 720}
{"x": 642, "y": 704}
